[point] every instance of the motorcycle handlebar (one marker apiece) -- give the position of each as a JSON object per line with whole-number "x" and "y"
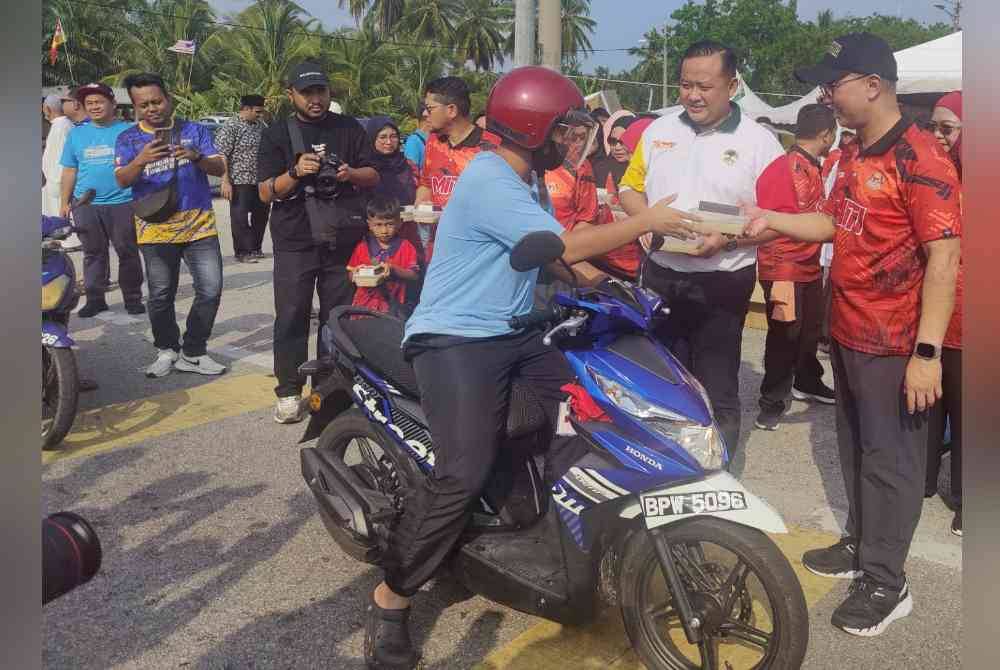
{"x": 537, "y": 318}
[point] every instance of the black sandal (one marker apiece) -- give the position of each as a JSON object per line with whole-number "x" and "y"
{"x": 387, "y": 639}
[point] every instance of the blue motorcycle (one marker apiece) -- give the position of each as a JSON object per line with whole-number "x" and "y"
{"x": 645, "y": 518}
{"x": 60, "y": 380}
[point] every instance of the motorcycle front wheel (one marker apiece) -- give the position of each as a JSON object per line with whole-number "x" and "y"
{"x": 741, "y": 587}
{"x": 60, "y": 393}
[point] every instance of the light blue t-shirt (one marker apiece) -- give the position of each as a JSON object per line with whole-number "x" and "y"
{"x": 90, "y": 149}
{"x": 470, "y": 289}
{"x": 413, "y": 148}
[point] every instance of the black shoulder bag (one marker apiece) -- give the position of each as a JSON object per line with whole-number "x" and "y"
{"x": 158, "y": 207}
{"x": 333, "y": 222}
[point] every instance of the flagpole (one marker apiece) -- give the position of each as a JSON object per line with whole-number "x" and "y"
{"x": 69, "y": 63}
{"x": 190, "y": 71}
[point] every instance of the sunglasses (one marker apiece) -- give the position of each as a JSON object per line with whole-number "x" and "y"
{"x": 943, "y": 128}
{"x": 614, "y": 141}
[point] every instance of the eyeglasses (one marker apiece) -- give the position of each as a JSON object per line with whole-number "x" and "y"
{"x": 943, "y": 128}
{"x": 430, "y": 108}
{"x": 828, "y": 89}
{"x": 388, "y": 138}
{"x": 614, "y": 141}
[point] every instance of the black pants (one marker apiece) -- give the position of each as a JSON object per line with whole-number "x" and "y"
{"x": 883, "y": 456}
{"x": 949, "y": 408}
{"x": 705, "y": 332}
{"x": 827, "y": 305}
{"x": 297, "y": 276}
{"x": 464, "y": 390}
{"x": 248, "y": 219}
{"x": 97, "y": 225}
{"x": 790, "y": 347}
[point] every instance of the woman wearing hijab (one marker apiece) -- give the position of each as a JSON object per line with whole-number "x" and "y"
{"x": 946, "y": 124}
{"x": 398, "y": 175}
{"x": 609, "y": 170}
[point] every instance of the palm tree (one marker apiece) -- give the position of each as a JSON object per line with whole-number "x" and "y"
{"x": 278, "y": 34}
{"x": 92, "y": 37}
{"x": 159, "y": 25}
{"x": 379, "y": 15}
{"x": 413, "y": 67}
{"x": 430, "y": 20}
{"x": 577, "y": 27}
{"x": 361, "y": 72}
{"x": 479, "y": 34}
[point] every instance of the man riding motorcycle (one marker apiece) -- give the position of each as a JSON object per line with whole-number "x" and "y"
{"x": 464, "y": 353}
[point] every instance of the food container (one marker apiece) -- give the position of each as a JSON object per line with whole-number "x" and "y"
{"x": 370, "y": 276}
{"x": 719, "y": 218}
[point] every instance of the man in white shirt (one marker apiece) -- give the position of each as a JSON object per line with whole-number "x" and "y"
{"x": 51, "y": 168}
{"x": 709, "y": 152}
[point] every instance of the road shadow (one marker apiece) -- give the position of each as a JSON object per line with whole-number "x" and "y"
{"x": 148, "y": 591}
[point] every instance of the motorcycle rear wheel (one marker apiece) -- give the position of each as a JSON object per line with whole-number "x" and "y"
{"x": 382, "y": 467}
{"x": 751, "y": 606}
{"x": 60, "y": 394}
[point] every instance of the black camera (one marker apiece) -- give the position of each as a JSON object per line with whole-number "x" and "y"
{"x": 326, "y": 184}
{"x": 71, "y": 554}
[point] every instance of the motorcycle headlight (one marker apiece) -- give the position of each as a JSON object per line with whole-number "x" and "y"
{"x": 53, "y": 292}
{"x": 702, "y": 442}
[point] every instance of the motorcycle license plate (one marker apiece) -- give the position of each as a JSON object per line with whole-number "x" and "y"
{"x": 702, "y": 502}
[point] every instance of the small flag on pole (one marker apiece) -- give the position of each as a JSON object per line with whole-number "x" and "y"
{"x": 183, "y": 47}
{"x": 58, "y": 39}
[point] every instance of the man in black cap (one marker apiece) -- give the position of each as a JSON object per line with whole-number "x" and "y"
{"x": 239, "y": 139}
{"x": 305, "y": 257}
{"x": 895, "y": 220}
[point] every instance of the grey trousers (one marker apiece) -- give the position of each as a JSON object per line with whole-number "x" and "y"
{"x": 96, "y": 226}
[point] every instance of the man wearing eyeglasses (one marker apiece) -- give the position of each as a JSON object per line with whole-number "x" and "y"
{"x": 895, "y": 219}
{"x": 454, "y": 140}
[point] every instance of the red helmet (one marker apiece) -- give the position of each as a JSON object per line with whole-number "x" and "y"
{"x": 527, "y": 102}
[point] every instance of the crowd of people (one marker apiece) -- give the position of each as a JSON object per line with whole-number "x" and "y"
{"x": 854, "y": 236}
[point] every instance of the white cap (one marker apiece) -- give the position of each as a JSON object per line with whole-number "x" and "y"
{"x": 335, "y": 107}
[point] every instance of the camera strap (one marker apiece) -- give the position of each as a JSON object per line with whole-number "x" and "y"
{"x": 321, "y": 234}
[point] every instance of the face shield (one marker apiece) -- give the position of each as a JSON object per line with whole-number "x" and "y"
{"x": 574, "y": 134}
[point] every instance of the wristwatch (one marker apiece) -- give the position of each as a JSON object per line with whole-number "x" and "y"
{"x": 731, "y": 245}
{"x": 197, "y": 157}
{"x": 928, "y": 352}
{"x": 293, "y": 172}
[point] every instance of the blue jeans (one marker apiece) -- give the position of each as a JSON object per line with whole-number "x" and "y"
{"x": 163, "y": 265}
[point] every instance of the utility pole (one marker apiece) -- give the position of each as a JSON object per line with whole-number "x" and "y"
{"x": 666, "y": 95}
{"x": 524, "y": 32}
{"x": 550, "y": 33}
{"x": 953, "y": 8}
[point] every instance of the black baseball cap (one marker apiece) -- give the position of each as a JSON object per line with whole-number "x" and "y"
{"x": 307, "y": 74}
{"x": 861, "y": 53}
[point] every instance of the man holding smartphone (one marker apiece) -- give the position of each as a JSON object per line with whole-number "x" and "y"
{"x": 146, "y": 157}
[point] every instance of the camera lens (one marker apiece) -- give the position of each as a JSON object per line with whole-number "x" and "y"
{"x": 71, "y": 554}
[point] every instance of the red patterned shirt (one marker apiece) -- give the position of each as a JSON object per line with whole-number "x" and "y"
{"x": 888, "y": 200}
{"x": 400, "y": 254}
{"x": 785, "y": 259}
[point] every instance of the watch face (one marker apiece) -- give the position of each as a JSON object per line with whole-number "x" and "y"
{"x": 926, "y": 350}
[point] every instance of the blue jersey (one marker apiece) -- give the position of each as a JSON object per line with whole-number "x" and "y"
{"x": 90, "y": 150}
{"x": 471, "y": 289}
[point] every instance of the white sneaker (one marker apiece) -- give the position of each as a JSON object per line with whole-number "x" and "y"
{"x": 288, "y": 409}
{"x": 203, "y": 365}
{"x": 161, "y": 366}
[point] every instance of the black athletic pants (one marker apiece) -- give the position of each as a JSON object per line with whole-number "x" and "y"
{"x": 248, "y": 219}
{"x": 883, "y": 456}
{"x": 464, "y": 393}
{"x": 705, "y": 332}
{"x": 948, "y": 408}
{"x": 297, "y": 276}
{"x": 790, "y": 346}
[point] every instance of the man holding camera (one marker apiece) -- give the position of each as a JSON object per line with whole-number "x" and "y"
{"x": 312, "y": 240}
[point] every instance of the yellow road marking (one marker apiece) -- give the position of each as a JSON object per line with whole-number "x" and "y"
{"x": 604, "y": 645}
{"x": 128, "y": 423}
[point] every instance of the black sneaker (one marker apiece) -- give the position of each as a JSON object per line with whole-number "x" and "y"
{"x": 871, "y": 607}
{"x": 839, "y": 561}
{"x": 92, "y": 309}
{"x": 387, "y": 639}
{"x": 956, "y": 523}
{"x": 768, "y": 420}
{"x": 259, "y": 255}
{"x": 820, "y": 393}
{"x": 135, "y": 308}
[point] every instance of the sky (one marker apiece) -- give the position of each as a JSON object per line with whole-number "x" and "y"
{"x": 621, "y": 23}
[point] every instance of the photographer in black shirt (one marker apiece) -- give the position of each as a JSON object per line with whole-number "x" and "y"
{"x": 332, "y": 167}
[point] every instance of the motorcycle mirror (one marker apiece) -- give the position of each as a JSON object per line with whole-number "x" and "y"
{"x": 535, "y": 250}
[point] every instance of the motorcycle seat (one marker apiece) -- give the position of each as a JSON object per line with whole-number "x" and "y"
{"x": 375, "y": 339}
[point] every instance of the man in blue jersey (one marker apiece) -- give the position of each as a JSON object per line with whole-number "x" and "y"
{"x": 88, "y": 162}
{"x": 463, "y": 349}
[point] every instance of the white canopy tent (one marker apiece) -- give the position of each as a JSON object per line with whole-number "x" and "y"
{"x": 931, "y": 67}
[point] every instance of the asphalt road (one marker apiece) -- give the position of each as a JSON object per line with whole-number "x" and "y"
{"x": 216, "y": 558}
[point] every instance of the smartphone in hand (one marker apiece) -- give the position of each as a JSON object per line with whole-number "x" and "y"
{"x": 163, "y": 136}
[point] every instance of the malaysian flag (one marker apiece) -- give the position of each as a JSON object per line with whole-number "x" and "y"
{"x": 183, "y": 47}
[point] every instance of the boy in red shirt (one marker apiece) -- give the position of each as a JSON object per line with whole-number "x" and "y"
{"x": 383, "y": 246}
